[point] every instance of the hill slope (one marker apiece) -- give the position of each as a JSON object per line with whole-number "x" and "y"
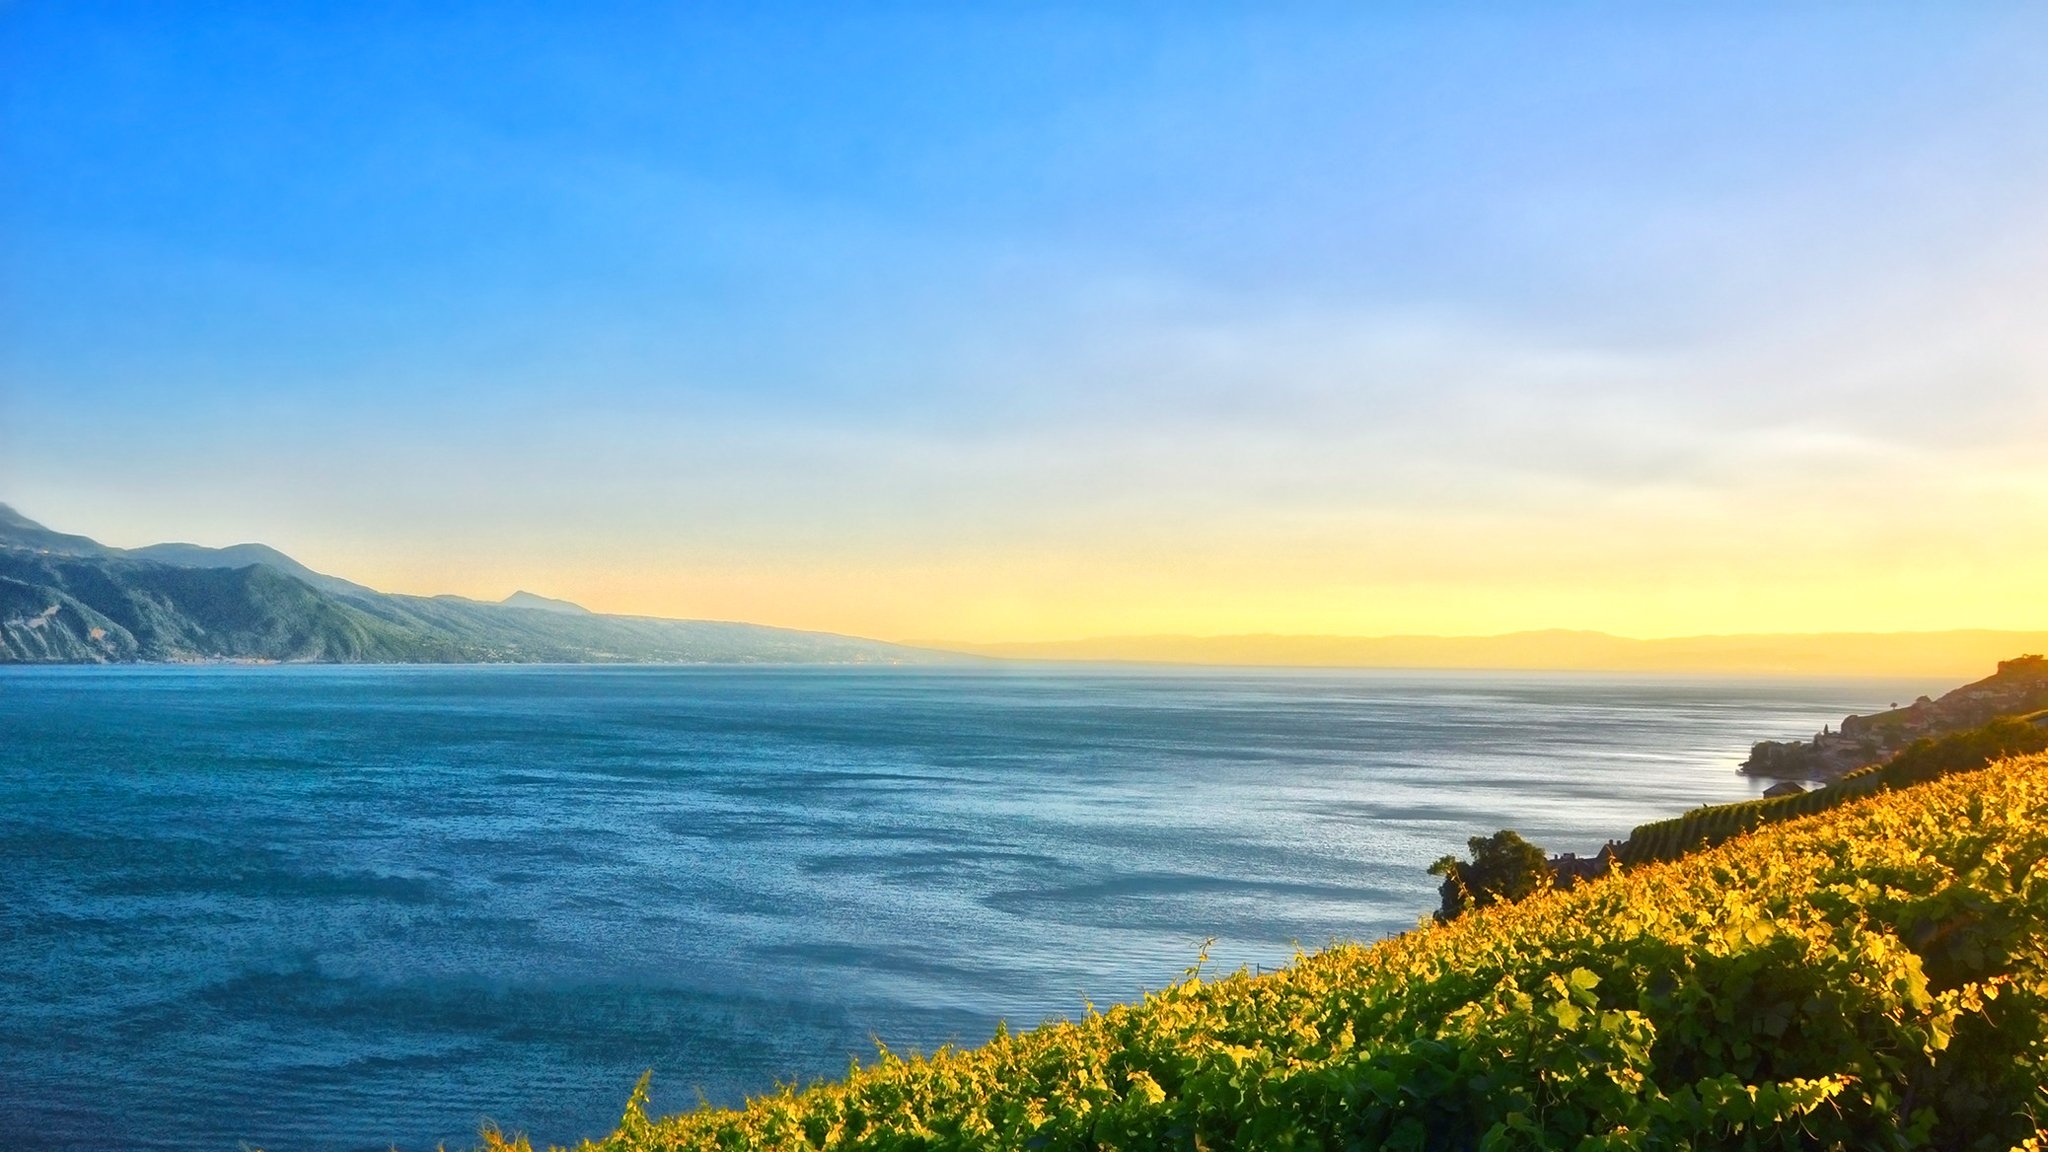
{"x": 241, "y": 556}
{"x": 1876, "y": 977}
{"x": 70, "y": 599}
{"x": 78, "y": 609}
{"x": 2019, "y": 686}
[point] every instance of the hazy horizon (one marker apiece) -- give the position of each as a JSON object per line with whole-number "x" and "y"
{"x": 1032, "y": 325}
{"x": 1958, "y": 654}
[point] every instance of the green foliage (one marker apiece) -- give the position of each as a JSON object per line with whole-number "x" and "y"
{"x": 1504, "y": 867}
{"x": 90, "y": 609}
{"x": 1925, "y": 759}
{"x": 1930, "y": 759}
{"x": 1876, "y": 977}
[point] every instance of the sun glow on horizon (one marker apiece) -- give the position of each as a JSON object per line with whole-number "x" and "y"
{"x": 1022, "y": 326}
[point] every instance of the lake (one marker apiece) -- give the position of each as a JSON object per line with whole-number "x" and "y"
{"x": 347, "y": 908}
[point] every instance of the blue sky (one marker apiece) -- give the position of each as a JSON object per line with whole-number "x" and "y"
{"x": 1033, "y": 321}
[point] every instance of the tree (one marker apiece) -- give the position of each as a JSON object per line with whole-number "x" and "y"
{"x": 1504, "y": 867}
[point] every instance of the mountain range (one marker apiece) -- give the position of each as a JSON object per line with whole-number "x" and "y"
{"x": 70, "y": 599}
{"x": 66, "y": 598}
{"x": 1939, "y": 655}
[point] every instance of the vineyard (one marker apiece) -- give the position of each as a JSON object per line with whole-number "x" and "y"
{"x": 1873, "y": 977}
{"x": 1922, "y": 761}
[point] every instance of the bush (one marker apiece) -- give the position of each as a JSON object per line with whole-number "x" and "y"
{"x": 1504, "y": 868}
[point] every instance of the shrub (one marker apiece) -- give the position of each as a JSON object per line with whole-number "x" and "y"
{"x": 1504, "y": 867}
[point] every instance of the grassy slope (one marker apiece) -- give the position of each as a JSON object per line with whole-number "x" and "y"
{"x": 1875, "y": 976}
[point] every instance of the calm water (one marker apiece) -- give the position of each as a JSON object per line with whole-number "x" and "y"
{"x": 345, "y": 908}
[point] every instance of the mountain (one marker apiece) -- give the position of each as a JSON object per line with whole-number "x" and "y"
{"x": 1906, "y": 654}
{"x": 96, "y": 609}
{"x": 544, "y": 604}
{"x": 19, "y": 531}
{"x": 70, "y": 599}
{"x": 241, "y": 556}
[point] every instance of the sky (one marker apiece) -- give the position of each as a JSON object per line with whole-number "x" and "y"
{"x": 1003, "y": 323}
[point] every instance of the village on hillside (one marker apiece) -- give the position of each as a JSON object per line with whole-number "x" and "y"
{"x": 2019, "y": 687}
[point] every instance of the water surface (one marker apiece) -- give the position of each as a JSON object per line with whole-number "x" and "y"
{"x": 346, "y": 908}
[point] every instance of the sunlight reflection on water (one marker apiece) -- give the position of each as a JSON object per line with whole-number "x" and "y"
{"x": 350, "y": 907}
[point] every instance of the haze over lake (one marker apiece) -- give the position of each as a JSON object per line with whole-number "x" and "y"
{"x": 342, "y": 908}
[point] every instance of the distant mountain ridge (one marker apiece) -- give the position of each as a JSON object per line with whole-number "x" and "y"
{"x": 19, "y": 531}
{"x": 1962, "y": 652}
{"x": 524, "y": 599}
{"x": 243, "y": 555}
{"x": 69, "y": 599}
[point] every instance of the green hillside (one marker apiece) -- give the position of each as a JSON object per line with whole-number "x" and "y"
{"x": 1875, "y": 977}
{"x": 83, "y": 609}
{"x": 70, "y": 599}
{"x": 1928, "y": 758}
